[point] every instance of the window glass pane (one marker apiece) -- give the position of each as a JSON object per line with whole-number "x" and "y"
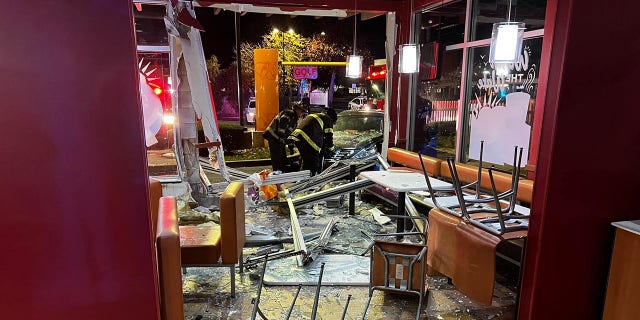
{"x": 437, "y": 108}
{"x": 150, "y": 28}
{"x": 438, "y": 81}
{"x": 444, "y": 25}
{"x": 156, "y": 104}
{"x": 500, "y": 108}
{"x": 488, "y": 12}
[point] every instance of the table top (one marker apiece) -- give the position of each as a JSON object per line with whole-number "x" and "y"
{"x": 631, "y": 226}
{"x": 403, "y": 181}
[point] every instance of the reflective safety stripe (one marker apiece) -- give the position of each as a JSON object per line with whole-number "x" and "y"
{"x": 327, "y": 130}
{"x": 317, "y": 117}
{"x": 306, "y": 138}
{"x": 294, "y": 138}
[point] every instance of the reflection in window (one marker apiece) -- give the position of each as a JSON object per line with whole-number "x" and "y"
{"x": 438, "y": 82}
{"x": 501, "y": 107}
{"x": 150, "y": 28}
{"x": 444, "y": 25}
{"x": 155, "y": 90}
{"x": 488, "y": 12}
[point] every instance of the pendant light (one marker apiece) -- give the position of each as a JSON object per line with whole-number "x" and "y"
{"x": 409, "y": 59}
{"x": 354, "y": 62}
{"x": 506, "y": 43}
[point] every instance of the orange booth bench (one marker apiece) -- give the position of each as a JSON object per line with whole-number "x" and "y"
{"x": 467, "y": 173}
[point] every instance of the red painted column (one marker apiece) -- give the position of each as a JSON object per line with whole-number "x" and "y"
{"x": 586, "y": 177}
{"x": 547, "y": 49}
{"x": 76, "y": 237}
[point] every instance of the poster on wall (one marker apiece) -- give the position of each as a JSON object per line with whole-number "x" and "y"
{"x": 501, "y": 105}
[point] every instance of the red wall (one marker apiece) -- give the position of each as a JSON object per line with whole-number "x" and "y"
{"x": 76, "y": 240}
{"x": 586, "y": 175}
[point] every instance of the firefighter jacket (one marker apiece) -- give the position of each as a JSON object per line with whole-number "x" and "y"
{"x": 316, "y": 130}
{"x": 281, "y": 126}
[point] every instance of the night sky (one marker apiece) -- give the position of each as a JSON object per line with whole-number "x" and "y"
{"x": 219, "y": 38}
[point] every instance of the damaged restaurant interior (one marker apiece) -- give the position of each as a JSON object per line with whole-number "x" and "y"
{"x": 474, "y": 191}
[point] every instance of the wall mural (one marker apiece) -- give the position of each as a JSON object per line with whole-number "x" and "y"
{"x": 501, "y": 104}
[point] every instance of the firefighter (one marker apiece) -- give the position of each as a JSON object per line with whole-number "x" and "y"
{"x": 314, "y": 139}
{"x": 277, "y": 132}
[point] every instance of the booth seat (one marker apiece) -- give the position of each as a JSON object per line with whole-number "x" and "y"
{"x": 467, "y": 173}
{"x": 458, "y": 249}
{"x": 465, "y": 253}
{"x": 213, "y": 246}
{"x": 221, "y": 246}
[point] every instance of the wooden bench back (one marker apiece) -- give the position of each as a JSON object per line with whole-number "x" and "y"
{"x": 168, "y": 257}
{"x": 466, "y": 173}
{"x": 411, "y": 160}
{"x": 232, "y": 223}
{"x": 155, "y": 192}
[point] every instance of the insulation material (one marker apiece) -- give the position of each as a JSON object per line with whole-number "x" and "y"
{"x": 193, "y": 54}
{"x": 391, "y": 32}
{"x": 151, "y": 110}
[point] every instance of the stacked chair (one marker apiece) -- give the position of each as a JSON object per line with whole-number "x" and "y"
{"x": 487, "y": 212}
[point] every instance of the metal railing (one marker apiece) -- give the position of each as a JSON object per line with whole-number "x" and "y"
{"x": 446, "y": 114}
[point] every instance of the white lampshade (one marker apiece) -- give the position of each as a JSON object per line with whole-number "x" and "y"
{"x": 506, "y": 42}
{"x": 354, "y": 66}
{"x": 409, "y": 60}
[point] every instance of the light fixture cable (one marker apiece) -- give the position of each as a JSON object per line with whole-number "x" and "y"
{"x": 355, "y": 28}
{"x": 412, "y": 23}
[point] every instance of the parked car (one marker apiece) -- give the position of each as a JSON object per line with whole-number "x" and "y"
{"x": 358, "y": 103}
{"x": 250, "y": 111}
{"x": 357, "y": 133}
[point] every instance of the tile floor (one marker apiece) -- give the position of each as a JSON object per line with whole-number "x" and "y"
{"x": 207, "y": 290}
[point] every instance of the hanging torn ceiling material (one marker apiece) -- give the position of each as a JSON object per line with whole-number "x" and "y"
{"x": 294, "y": 11}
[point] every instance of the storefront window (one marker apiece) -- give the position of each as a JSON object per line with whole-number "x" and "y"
{"x": 150, "y": 28}
{"x": 155, "y": 88}
{"x": 438, "y": 82}
{"x": 496, "y": 109}
{"x": 488, "y": 12}
{"x": 437, "y": 109}
{"x": 500, "y": 107}
{"x": 444, "y": 25}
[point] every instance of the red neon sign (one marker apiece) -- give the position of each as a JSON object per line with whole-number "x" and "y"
{"x": 377, "y": 72}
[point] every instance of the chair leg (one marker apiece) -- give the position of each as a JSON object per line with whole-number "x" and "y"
{"x": 233, "y": 280}
{"x": 241, "y": 263}
{"x": 184, "y": 270}
{"x": 419, "y": 308}
{"x": 366, "y": 307}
